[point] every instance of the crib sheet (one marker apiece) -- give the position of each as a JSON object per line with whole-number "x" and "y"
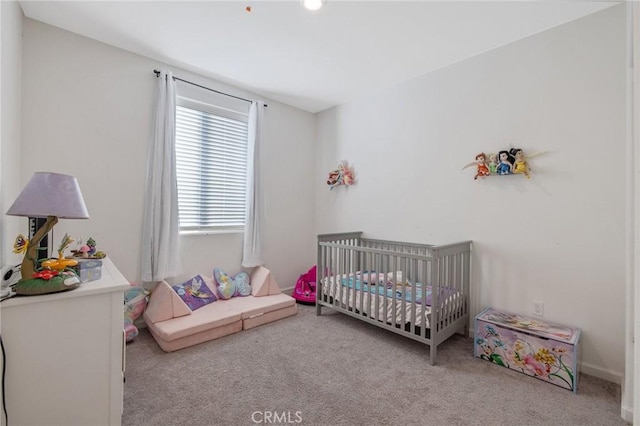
{"x": 350, "y": 289}
{"x": 411, "y": 292}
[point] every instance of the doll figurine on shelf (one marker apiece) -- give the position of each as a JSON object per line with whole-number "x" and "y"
{"x": 347, "y": 174}
{"x": 481, "y": 165}
{"x": 481, "y": 161}
{"x": 505, "y": 162}
{"x": 334, "y": 178}
{"x": 505, "y": 166}
{"x": 343, "y": 175}
{"x": 520, "y": 164}
{"x": 493, "y": 163}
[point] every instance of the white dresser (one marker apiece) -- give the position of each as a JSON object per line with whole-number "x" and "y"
{"x": 65, "y": 354}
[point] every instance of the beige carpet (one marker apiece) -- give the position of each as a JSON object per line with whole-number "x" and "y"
{"x": 336, "y": 370}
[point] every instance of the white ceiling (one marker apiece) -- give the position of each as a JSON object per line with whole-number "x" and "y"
{"x": 310, "y": 60}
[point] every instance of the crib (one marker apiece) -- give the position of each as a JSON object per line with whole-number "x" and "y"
{"x": 419, "y": 291}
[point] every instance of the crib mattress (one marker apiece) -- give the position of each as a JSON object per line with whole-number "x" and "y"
{"x": 378, "y": 299}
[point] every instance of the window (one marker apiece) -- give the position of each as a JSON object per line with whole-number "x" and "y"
{"x": 211, "y": 166}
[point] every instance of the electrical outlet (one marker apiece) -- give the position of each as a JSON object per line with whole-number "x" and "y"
{"x": 538, "y": 308}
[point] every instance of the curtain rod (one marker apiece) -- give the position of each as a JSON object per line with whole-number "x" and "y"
{"x": 207, "y": 88}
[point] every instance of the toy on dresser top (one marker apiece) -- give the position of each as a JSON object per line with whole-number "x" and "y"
{"x": 48, "y": 275}
{"x": 88, "y": 250}
{"x": 89, "y": 263}
{"x": 58, "y": 273}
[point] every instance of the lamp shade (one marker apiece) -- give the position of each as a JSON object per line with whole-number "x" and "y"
{"x": 50, "y": 194}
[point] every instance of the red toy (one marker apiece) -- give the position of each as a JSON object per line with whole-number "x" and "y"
{"x": 305, "y": 289}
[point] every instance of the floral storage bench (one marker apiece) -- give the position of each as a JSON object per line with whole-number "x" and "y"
{"x": 546, "y": 351}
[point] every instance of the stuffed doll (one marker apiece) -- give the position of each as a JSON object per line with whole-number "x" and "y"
{"x": 343, "y": 175}
{"x": 135, "y": 301}
{"x": 483, "y": 169}
{"x": 520, "y": 165}
{"x": 505, "y": 166}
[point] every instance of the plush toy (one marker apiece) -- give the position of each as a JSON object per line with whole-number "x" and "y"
{"x": 520, "y": 165}
{"x": 505, "y": 162}
{"x": 343, "y": 175}
{"x": 505, "y": 166}
{"x": 228, "y": 286}
{"x": 483, "y": 169}
{"x": 493, "y": 164}
{"x": 135, "y": 301}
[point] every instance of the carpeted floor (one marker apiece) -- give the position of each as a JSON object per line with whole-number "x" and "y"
{"x": 336, "y": 370}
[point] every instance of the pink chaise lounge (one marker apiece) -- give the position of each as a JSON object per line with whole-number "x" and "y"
{"x": 174, "y": 326}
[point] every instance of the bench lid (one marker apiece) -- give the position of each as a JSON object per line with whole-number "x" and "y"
{"x": 532, "y": 326}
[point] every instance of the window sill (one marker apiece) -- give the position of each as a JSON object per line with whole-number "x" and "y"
{"x": 210, "y": 232}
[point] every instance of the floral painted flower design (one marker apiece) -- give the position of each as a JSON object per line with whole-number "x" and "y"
{"x": 45, "y": 274}
{"x": 524, "y": 354}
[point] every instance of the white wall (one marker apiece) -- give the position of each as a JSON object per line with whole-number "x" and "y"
{"x": 88, "y": 110}
{"x": 10, "y": 75}
{"x": 558, "y": 237}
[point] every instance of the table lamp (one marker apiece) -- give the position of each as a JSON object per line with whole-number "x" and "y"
{"x": 51, "y": 196}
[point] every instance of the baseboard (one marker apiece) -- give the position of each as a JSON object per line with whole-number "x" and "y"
{"x": 601, "y": 373}
{"x": 626, "y": 413}
{"x": 288, "y": 290}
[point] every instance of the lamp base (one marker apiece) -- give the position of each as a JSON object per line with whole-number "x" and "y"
{"x": 37, "y": 286}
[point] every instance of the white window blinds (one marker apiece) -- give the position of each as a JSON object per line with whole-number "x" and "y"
{"x": 211, "y": 164}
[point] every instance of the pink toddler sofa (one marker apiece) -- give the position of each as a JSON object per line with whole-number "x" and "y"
{"x": 174, "y": 326}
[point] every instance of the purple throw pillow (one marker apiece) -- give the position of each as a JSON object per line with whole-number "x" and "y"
{"x": 195, "y": 293}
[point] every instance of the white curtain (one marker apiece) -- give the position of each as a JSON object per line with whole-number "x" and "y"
{"x": 160, "y": 226}
{"x": 252, "y": 246}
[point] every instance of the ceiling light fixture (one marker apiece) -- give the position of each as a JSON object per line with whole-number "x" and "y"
{"x": 312, "y": 4}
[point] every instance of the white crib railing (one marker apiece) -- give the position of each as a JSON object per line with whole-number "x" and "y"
{"x": 385, "y": 283}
